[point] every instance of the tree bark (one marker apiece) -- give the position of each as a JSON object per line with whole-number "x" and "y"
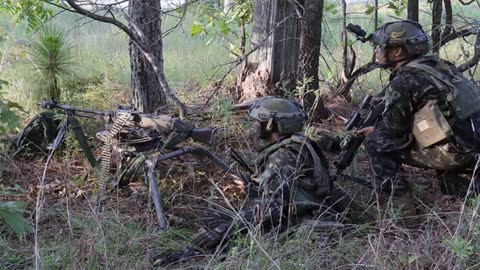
{"x": 436, "y": 24}
{"x": 348, "y": 58}
{"x": 275, "y": 41}
{"x": 147, "y": 91}
{"x": 448, "y": 19}
{"x": 310, "y": 42}
{"x": 138, "y": 37}
{"x": 413, "y": 10}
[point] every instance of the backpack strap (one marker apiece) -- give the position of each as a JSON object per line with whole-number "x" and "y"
{"x": 303, "y": 146}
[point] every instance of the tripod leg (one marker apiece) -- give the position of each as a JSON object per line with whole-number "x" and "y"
{"x": 155, "y": 193}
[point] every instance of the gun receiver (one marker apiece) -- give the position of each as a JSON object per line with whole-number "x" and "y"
{"x": 370, "y": 113}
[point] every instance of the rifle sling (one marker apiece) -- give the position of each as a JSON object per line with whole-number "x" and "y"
{"x": 82, "y": 140}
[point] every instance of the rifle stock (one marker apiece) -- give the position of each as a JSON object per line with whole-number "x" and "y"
{"x": 204, "y": 135}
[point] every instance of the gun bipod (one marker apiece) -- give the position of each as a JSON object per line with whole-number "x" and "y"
{"x": 152, "y": 162}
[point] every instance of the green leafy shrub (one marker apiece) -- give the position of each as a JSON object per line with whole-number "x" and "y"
{"x": 11, "y": 214}
{"x": 8, "y": 119}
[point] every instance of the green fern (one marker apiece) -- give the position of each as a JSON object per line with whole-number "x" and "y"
{"x": 52, "y": 58}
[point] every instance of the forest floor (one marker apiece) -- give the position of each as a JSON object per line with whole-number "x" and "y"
{"x": 72, "y": 233}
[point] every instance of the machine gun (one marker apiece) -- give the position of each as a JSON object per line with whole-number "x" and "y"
{"x": 371, "y": 111}
{"x": 139, "y": 127}
{"x": 143, "y": 140}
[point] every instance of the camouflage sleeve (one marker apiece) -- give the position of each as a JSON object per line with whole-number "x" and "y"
{"x": 279, "y": 169}
{"x": 398, "y": 114}
{"x": 394, "y": 131}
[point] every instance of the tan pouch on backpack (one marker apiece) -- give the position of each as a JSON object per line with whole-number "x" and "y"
{"x": 430, "y": 125}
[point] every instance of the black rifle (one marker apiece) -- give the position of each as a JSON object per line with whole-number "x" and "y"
{"x": 371, "y": 111}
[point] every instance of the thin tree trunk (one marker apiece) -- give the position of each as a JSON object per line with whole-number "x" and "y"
{"x": 310, "y": 42}
{"x": 147, "y": 91}
{"x": 448, "y": 18}
{"x": 136, "y": 34}
{"x": 348, "y": 58}
{"x": 436, "y": 24}
{"x": 413, "y": 10}
{"x": 375, "y": 23}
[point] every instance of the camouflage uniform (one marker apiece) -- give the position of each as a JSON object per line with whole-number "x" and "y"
{"x": 291, "y": 179}
{"x": 291, "y": 183}
{"x": 392, "y": 142}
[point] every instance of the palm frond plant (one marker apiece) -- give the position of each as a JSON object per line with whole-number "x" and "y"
{"x": 52, "y": 59}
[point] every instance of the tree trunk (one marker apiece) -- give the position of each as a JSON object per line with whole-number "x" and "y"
{"x": 436, "y": 24}
{"x": 310, "y": 42}
{"x": 147, "y": 91}
{"x": 275, "y": 41}
{"x": 348, "y": 58}
{"x": 448, "y": 19}
{"x": 413, "y": 10}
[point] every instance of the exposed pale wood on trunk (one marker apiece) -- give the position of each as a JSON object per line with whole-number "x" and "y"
{"x": 473, "y": 61}
{"x": 275, "y": 36}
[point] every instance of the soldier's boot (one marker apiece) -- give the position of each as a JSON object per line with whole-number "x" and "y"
{"x": 186, "y": 254}
{"x": 210, "y": 238}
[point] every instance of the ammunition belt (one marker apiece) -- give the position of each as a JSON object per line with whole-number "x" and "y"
{"x": 121, "y": 120}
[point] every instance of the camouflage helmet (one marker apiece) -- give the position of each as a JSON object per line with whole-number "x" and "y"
{"x": 286, "y": 114}
{"x": 406, "y": 33}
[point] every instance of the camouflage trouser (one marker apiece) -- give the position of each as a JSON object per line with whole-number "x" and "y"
{"x": 454, "y": 170}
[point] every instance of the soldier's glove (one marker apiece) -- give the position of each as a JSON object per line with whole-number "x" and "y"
{"x": 209, "y": 239}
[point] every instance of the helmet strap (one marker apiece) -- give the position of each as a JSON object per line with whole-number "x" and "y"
{"x": 269, "y": 124}
{"x": 389, "y": 63}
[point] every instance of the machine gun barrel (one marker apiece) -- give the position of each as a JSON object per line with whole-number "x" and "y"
{"x": 52, "y": 104}
{"x": 163, "y": 124}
